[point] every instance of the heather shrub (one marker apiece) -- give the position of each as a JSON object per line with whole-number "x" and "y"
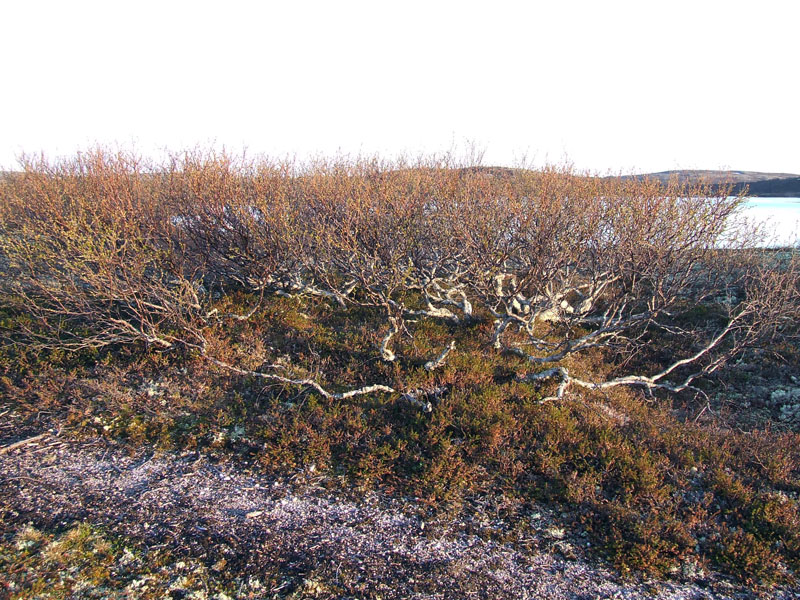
{"x": 489, "y": 320}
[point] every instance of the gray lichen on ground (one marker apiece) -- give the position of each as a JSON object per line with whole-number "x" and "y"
{"x": 227, "y": 528}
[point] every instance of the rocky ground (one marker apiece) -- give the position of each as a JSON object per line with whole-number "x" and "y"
{"x": 311, "y": 542}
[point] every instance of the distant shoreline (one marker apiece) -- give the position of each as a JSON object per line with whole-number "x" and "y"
{"x": 771, "y": 188}
{"x": 762, "y": 185}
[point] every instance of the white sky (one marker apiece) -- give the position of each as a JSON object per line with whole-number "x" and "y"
{"x": 618, "y": 86}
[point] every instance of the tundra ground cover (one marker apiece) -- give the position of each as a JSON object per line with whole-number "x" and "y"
{"x": 436, "y": 332}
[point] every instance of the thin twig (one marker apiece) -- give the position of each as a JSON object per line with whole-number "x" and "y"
{"x": 21, "y": 443}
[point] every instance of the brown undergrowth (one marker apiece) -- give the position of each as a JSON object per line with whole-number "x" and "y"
{"x": 653, "y": 490}
{"x": 436, "y": 331}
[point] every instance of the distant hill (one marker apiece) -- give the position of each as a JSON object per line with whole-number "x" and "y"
{"x": 757, "y": 184}
{"x": 767, "y": 185}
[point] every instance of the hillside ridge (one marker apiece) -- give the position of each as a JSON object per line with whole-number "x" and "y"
{"x": 755, "y": 183}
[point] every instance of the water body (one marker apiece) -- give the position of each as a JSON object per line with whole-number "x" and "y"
{"x": 781, "y": 217}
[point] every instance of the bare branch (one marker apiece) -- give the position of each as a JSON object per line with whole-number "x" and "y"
{"x": 432, "y": 365}
{"x": 369, "y": 389}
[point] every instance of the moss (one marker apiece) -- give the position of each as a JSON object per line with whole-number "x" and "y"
{"x": 84, "y": 561}
{"x": 651, "y": 490}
